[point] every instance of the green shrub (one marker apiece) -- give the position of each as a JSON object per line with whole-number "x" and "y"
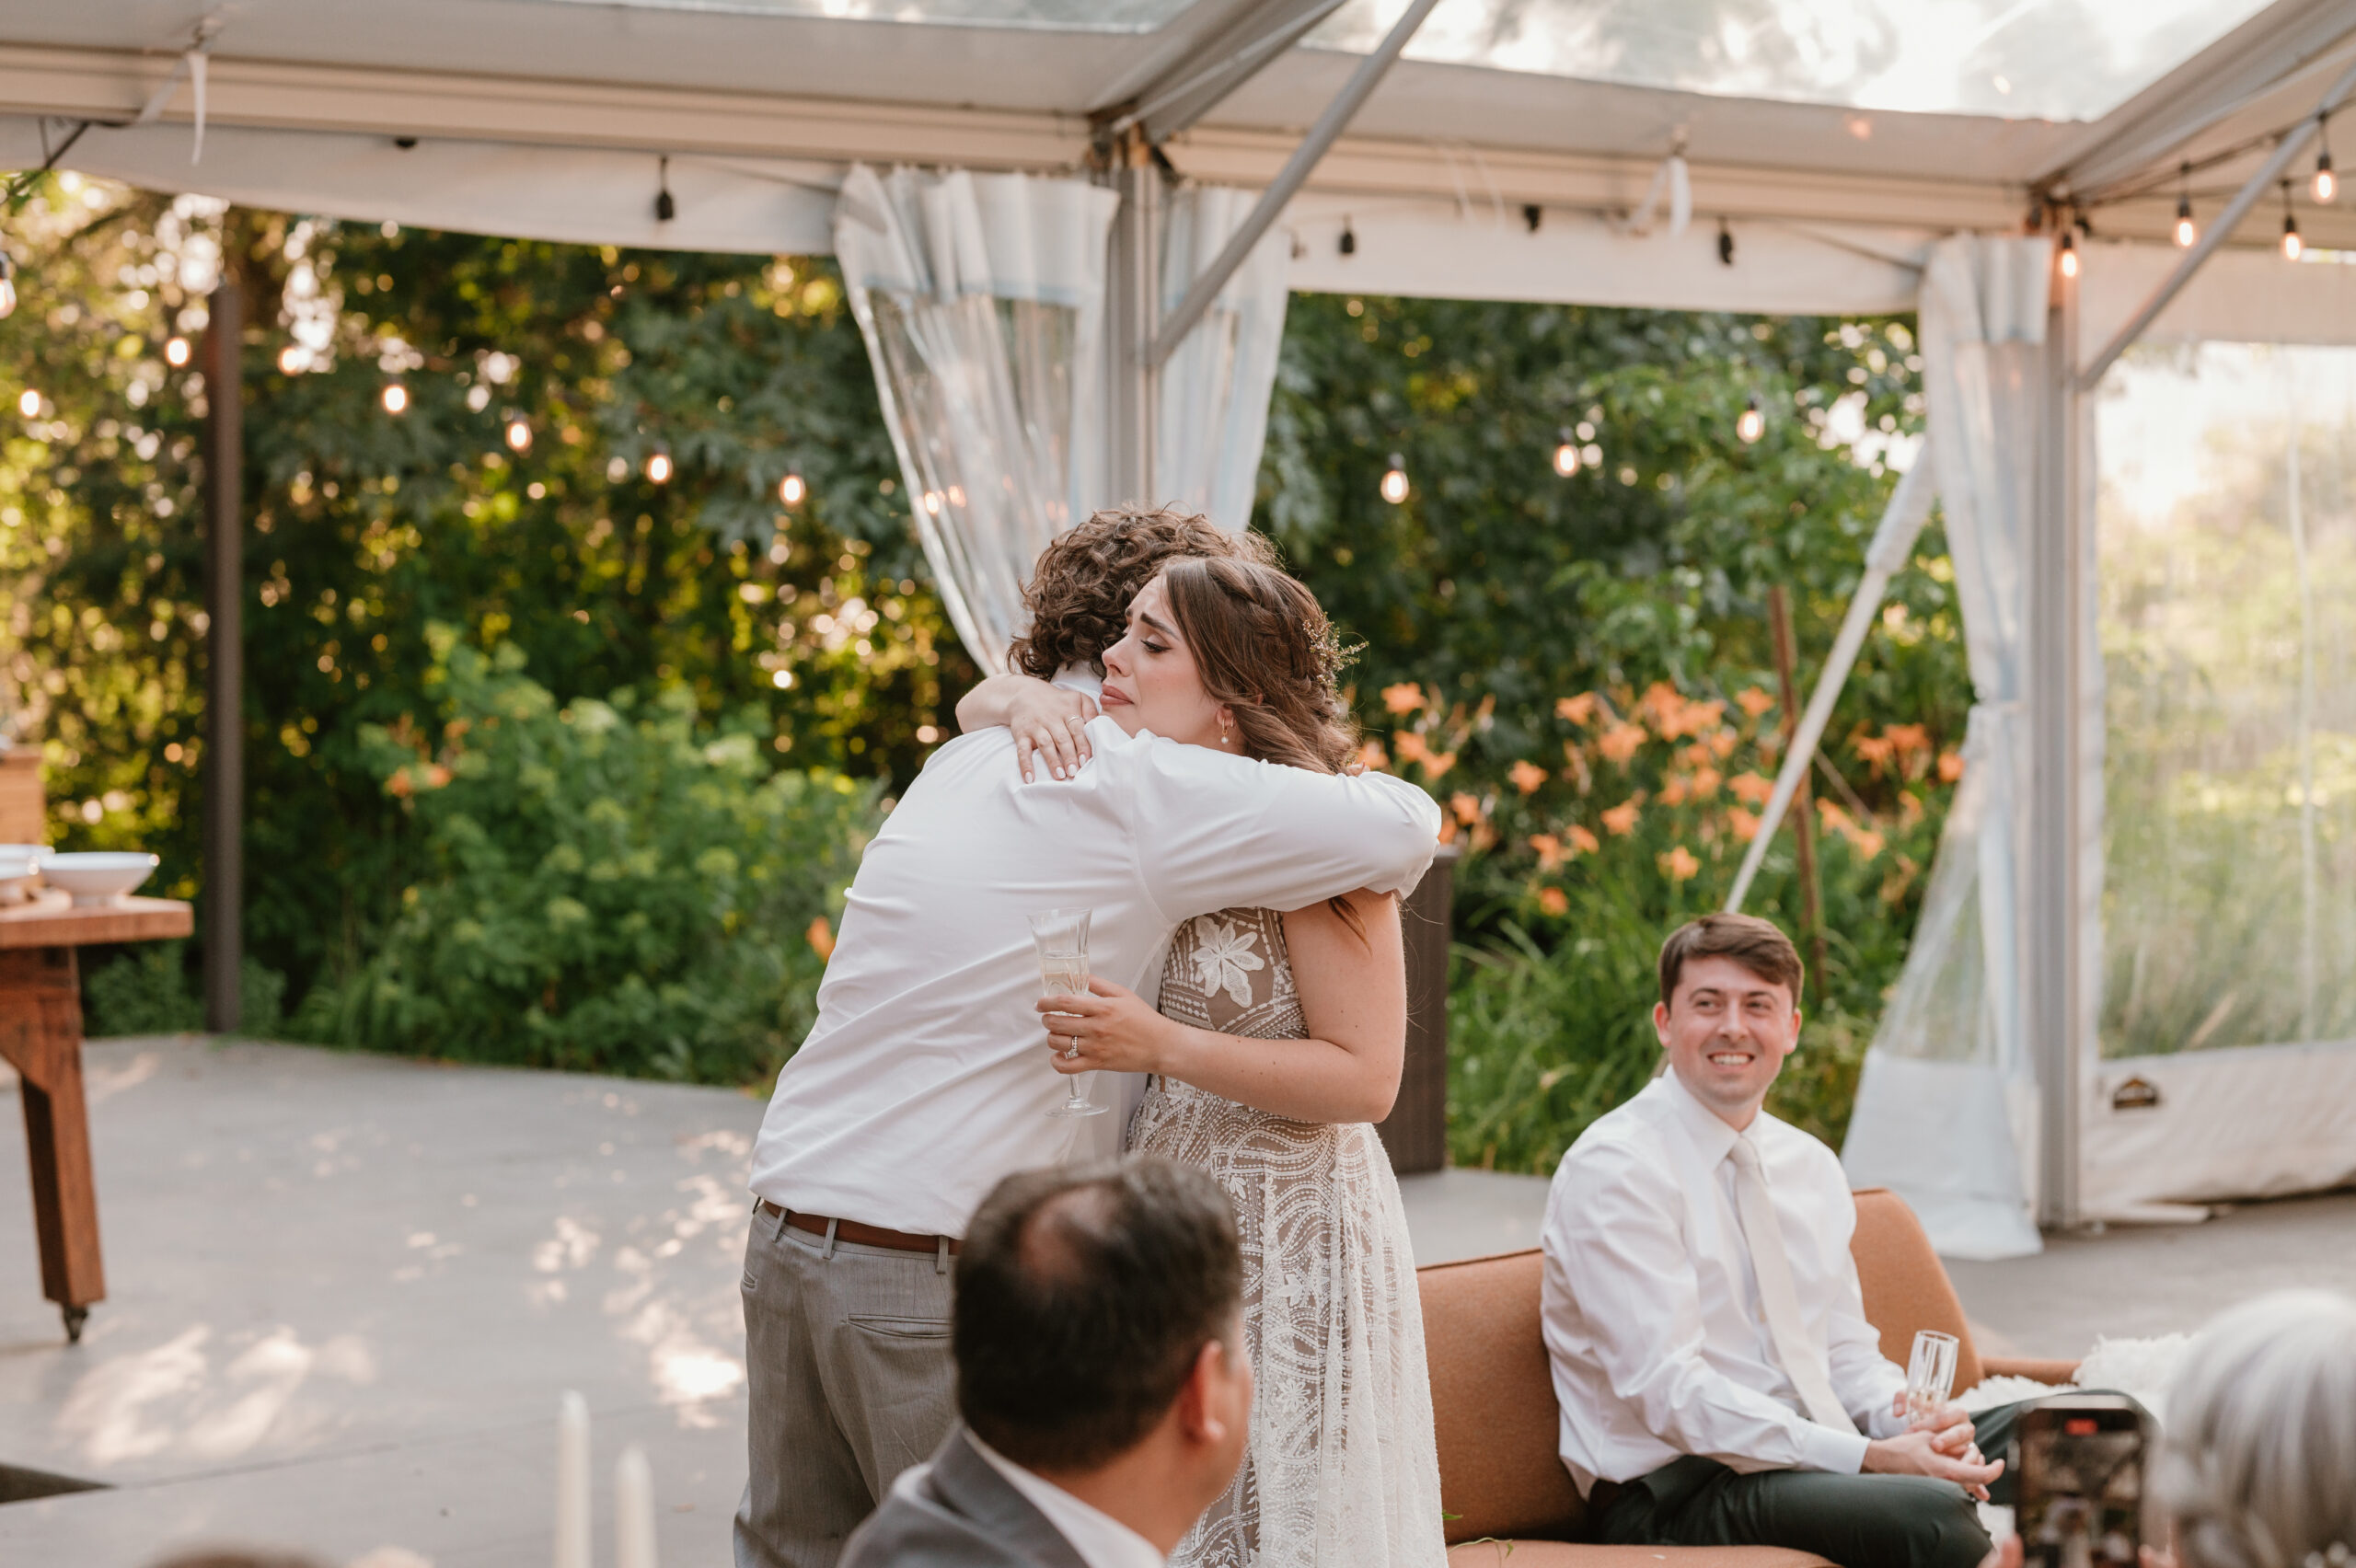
{"x": 150, "y": 990}
{"x": 611, "y": 887}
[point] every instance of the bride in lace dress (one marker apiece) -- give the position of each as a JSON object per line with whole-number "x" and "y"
{"x": 1277, "y": 1042}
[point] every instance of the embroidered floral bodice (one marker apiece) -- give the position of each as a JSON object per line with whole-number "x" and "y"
{"x": 1342, "y": 1468}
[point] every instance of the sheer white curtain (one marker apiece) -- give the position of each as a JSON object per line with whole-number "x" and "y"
{"x": 1947, "y": 1110}
{"x": 981, "y": 297}
{"x": 1215, "y": 386}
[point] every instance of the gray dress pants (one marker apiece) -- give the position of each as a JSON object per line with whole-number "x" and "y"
{"x": 846, "y": 1358}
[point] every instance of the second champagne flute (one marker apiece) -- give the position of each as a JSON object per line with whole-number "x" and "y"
{"x": 1061, "y": 937}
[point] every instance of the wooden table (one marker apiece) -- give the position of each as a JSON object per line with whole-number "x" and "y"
{"x": 41, "y": 1036}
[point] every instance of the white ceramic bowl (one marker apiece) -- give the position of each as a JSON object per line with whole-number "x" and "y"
{"x": 98, "y": 878}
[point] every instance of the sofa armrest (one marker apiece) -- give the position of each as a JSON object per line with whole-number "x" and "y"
{"x": 2037, "y": 1369}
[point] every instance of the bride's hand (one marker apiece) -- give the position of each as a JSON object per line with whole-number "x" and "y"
{"x": 1050, "y": 722}
{"x": 1110, "y": 1030}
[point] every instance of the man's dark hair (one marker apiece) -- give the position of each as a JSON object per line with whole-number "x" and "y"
{"x": 1084, "y": 1296}
{"x": 1755, "y": 944}
{"x": 1080, "y": 592}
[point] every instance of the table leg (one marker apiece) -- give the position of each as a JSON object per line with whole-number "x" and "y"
{"x": 40, "y": 1035}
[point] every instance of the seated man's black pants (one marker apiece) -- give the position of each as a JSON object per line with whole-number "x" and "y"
{"x": 1858, "y": 1521}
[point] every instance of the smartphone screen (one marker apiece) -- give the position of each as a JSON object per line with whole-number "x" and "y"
{"x": 2079, "y": 1500}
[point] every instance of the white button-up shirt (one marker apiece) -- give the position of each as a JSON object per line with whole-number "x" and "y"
{"x": 926, "y": 1078}
{"x": 1101, "y": 1540}
{"x": 1654, "y": 1329}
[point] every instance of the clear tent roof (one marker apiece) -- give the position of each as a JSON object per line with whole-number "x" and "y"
{"x": 1932, "y": 113}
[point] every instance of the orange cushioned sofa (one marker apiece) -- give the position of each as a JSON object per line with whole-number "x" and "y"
{"x": 1512, "y": 1505}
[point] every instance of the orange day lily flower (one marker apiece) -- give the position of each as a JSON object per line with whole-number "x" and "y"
{"x": 1578, "y": 710}
{"x": 1752, "y": 787}
{"x": 822, "y": 938}
{"x": 1950, "y": 766}
{"x": 1621, "y": 820}
{"x": 1526, "y": 776}
{"x": 1583, "y": 841}
{"x": 1680, "y": 864}
{"x": 1620, "y": 741}
{"x": 1404, "y": 698}
{"x": 1745, "y": 824}
{"x": 1550, "y": 900}
{"x": 1754, "y": 700}
{"x": 1549, "y": 850}
{"x": 1410, "y": 746}
{"x": 1466, "y": 807}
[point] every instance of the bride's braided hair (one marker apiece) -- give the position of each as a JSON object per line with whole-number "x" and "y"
{"x": 1078, "y": 593}
{"x": 1263, "y": 647}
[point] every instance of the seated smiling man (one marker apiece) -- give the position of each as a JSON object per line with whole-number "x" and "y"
{"x": 1718, "y": 1381}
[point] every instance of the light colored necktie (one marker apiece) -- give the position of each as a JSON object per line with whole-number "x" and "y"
{"x": 1802, "y": 1359}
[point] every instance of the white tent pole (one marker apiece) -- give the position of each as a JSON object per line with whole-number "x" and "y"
{"x": 1305, "y": 157}
{"x": 2294, "y": 142}
{"x": 1901, "y": 524}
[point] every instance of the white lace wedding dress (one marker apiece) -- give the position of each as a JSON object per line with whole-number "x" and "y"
{"x": 1342, "y": 1470}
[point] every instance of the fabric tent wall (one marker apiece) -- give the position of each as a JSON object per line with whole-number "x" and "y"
{"x": 1946, "y": 1104}
{"x": 1215, "y": 388}
{"x": 982, "y": 301}
{"x": 2165, "y": 1133}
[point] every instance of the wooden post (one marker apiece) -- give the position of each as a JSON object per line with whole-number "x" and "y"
{"x": 1779, "y": 617}
{"x": 224, "y": 763}
{"x": 1415, "y": 1133}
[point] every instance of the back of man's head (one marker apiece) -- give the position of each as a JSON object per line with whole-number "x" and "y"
{"x": 1757, "y": 945}
{"x": 1080, "y": 592}
{"x": 1085, "y": 1294}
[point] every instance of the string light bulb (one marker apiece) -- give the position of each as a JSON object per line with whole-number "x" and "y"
{"x": 792, "y": 488}
{"x": 176, "y": 352}
{"x": 2326, "y": 184}
{"x": 395, "y": 397}
{"x": 8, "y": 285}
{"x": 2293, "y": 246}
{"x": 28, "y": 403}
{"x": 1751, "y": 423}
{"x": 2069, "y": 255}
{"x": 1394, "y": 482}
{"x": 1566, "y": 455}
{"x": 519, "y": 433}
{"x": 2187, "y": 231}
{"x": 658, "y": 467}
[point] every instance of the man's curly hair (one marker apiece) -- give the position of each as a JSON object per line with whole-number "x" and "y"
{"x": 1079, "y": 595}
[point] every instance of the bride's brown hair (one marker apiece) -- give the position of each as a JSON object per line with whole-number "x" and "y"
{"x": 1263, "y": 647}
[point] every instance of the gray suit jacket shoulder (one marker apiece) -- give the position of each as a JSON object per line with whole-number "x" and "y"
{"x": 961, "y": 1513}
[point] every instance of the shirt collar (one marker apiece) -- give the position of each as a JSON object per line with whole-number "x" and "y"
{"x": 1101, "y": 1540}
{"x": 1704, "y": 1128}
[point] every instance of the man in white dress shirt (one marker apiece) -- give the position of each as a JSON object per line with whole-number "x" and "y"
{"x": 1718, "y": 1381}
{"x": 924, "y": 1082}
{"x": 1100, "y": 1377}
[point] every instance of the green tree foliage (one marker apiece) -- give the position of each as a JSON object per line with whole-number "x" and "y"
{"x": 609, "y": 886}
{"x": 1580, "y": 667}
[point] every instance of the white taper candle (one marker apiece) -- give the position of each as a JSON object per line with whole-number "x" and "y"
{"x": 572, "y": 1482}
{"x": 633, "y": 1510}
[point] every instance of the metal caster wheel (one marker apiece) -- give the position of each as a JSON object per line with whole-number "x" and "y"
{"x": 75, "y": 1318}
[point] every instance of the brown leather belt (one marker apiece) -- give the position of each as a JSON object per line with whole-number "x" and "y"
{"x": 860, "y": 1235}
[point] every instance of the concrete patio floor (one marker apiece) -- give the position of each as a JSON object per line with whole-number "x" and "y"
{"x": 346, "y": 1292}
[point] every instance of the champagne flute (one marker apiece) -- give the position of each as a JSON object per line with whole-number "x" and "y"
{"x": 1061, "y": 937}
{"x": 1930, "y": 1375}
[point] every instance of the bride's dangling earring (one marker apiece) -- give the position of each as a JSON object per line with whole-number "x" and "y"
{"x": 1222, "y": 731}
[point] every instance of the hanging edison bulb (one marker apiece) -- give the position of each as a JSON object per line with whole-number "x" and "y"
{"x": 658, "y": 467}
{"x": 1752, "y": 424}
{"x": 2293, "y": 246}
{"x": 176, "y": 352}
{"x": 1566, "y": 455}
{"x": 2069, "y": 255}
{"x": 2187, "y": 231}
{"x": 519, "y": 433}
{"x": 792, "y": 488}
{"x": 395, "y": 397}
{"x": 2327, "y": 183}
{"x": 1394, "y": 482}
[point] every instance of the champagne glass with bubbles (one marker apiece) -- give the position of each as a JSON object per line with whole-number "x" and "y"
{"x": 1061, "y": 937}
{"x": 1930, "y": 1375}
